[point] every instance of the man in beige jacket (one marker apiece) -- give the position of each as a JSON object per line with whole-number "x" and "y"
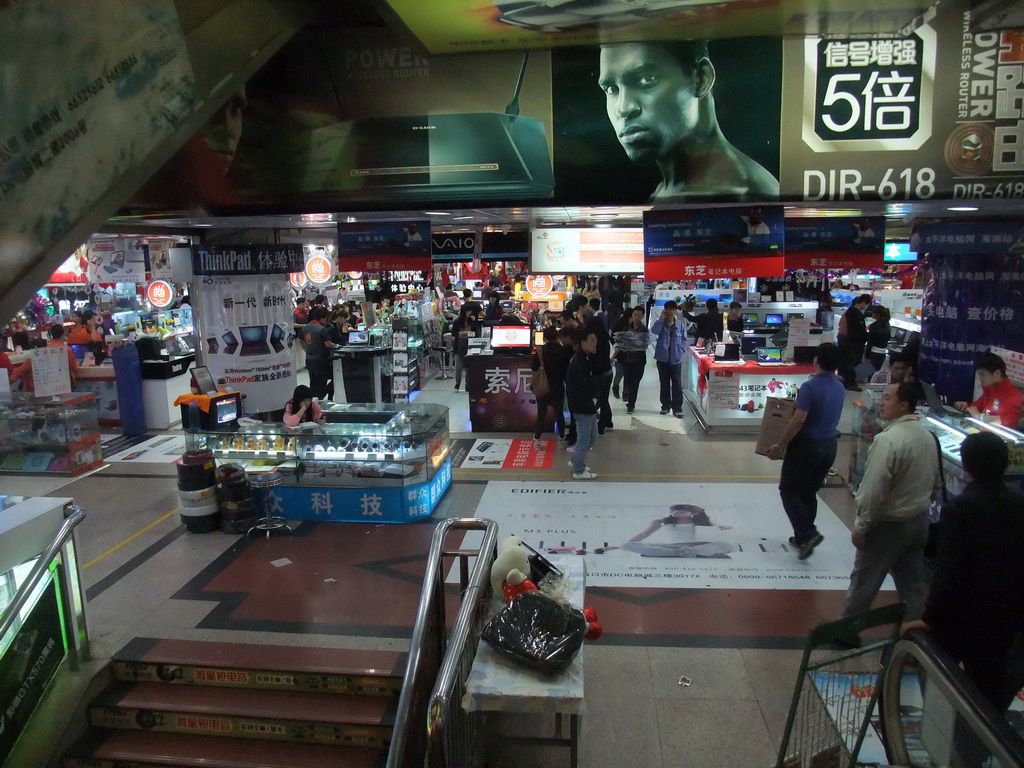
{"x": 900, "y": 480}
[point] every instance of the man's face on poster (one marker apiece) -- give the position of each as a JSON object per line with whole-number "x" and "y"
{"x": 650, "y": 99}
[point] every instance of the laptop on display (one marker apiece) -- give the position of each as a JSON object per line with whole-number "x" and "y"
{"x": 254, "y": 340}
{"x": 358, "y": 338}
{"x": 935, "y": 405}
{"x": 750, "y": 344}
{"x": 770, "y": 356}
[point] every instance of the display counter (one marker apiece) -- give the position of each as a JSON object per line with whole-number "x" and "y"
{"x": 500, "y": 398}
{"x": 162, "y": 382}
{"x": 729, "y": 397}
{"x": 49, "y": 434}
{"x": 371, "y": 462}
{"x": 359, "y": 373}
{"x": 951, "y": 431}
{"x": 101, "y": 381}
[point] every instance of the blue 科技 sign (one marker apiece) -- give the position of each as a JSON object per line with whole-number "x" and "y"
{"x": 362, "y": 505}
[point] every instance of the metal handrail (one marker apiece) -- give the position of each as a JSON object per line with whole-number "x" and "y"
{"x": 450, "y": 732}
{"x": 42, "y": 565}
{"x": 428, "y": 648}
{"x": 989, "y": 725}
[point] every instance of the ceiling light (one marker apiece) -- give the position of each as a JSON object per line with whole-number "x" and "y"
{"x": 602, "y": 225}
{"x": 438, "y": 213}
{"x": 603, "y": 216}
{"x": 350, "y": 219}
{"x": 962, "y": 208}
{"x": 202, "y": 225}
{"x": 463, "y": 218}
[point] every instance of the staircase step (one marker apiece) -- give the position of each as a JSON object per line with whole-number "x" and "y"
{"x": 266, "y": 667}
{"x": 150, "y": 749}
{"x": 254, "y": 714}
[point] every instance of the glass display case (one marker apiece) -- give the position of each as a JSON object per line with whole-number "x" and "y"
{"x": 951, "y": 431}
{"x": 388, "y": 462}
{"x": 49, "y": 434}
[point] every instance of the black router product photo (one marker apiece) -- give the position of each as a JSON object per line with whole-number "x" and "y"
{"x": 499, "y": 155}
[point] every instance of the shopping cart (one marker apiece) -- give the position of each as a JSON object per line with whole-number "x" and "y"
{"x": 837, "y": 693}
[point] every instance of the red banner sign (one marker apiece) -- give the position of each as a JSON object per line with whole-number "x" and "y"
{"x": 713, "y": 267}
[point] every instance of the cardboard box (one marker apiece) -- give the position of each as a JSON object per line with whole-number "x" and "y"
{"x": 777, "y": 413}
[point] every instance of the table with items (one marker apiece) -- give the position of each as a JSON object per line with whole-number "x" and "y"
{"x": 496, "y": 684}
{"x": 730, "y": 396}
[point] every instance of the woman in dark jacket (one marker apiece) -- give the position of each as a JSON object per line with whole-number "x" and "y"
{"x": 556, "y": 363}
{"x": 879, "y": 334}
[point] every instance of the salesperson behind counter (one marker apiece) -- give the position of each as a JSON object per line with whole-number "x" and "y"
{"x": 301, "y": 408}
{"x": 999, "y": 398}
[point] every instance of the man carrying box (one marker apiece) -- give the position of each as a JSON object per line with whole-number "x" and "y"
{"x": 808, "y": 447}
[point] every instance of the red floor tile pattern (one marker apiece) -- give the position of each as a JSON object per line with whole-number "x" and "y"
{"x": 350, "y": 578}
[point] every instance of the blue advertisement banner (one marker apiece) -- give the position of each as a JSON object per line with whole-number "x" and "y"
{"x": 370, "y": 504}
{"x": 968, "y": 237}
{"x": 835, "y": 242}
{"x": 707, "y": 243}
{"x": 970, "y": 303}
{"x": 402, "y": 245}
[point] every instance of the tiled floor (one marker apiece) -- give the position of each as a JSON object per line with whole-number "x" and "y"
{"x": 146, "y": 576}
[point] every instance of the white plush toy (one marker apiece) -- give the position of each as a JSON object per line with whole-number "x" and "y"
{"x": 511, "y": 556}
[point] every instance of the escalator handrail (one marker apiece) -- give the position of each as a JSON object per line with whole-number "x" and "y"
{"x": 983, "y": 718}
{"x": 13, "y": 610}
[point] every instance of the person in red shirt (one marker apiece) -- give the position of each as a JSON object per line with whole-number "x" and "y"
{"x": 998, "y": 395}
{"x": 88, "y": 332}
{"x": 24, "y": 371}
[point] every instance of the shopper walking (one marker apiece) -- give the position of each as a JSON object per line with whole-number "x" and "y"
{"x": 976, "y": 606}
{"x": 852, "y": 336}
{"x": 601, "y": 361}
{"x": 316, "y": 340}
{"x": 901, "y": 479}
{"x": 631, "y": 341}
{"x": 669, "y": 349}
{"x": 582, "y": 393}
{"x": 554, "y": 359}
{"x": 808, "y": 448}
{"x": 465, "y": 326}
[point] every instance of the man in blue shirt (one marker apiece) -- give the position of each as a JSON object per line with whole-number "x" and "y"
{"x": 808, "y": 447}
{"x": 669, "y": 349}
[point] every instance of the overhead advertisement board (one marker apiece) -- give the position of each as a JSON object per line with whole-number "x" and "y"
{"x": 743, "y": 241}
{"x": 373, "y": 246}
{"x": 573, "y": 250}
{"x": 935, "y": 114}
{"x": 835, "y": 242}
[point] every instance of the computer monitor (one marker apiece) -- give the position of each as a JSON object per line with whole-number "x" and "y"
{"x": 510, "y": 337}
{"x": 225, "y": 410}
{"x": 750, "y": 318}
{"x": 773, "y": 319}
{"x": 358, "y": 338}
{"x": 750, "y": 344}
{"x": 769, "y": 355}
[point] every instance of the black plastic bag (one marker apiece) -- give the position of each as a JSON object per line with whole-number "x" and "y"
{"x": 538, "y": 632}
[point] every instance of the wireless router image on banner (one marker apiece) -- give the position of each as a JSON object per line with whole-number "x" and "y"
{"x": 440, "y": 157}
